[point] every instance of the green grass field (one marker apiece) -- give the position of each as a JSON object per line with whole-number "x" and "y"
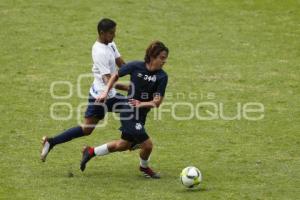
{"x": 240, "y": 51}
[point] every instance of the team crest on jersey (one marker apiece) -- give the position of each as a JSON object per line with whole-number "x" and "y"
{"x": 138, "y": 126}
{"x": 140, "y": 75}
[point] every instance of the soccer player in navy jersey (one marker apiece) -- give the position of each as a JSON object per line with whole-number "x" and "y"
{"x": 105, "y": 57}
{"x": 148, "y": 84}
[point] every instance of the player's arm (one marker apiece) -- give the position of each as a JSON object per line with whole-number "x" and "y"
{"x": 120, "y": 61}
{"x": 106, "y": 78}
{"x": 118, "y": 86}
{"x": 110, "y": 80}
{"x": 155, "y": 103}
{"x": 121, "y": 86}
{"x": 157, "y": 99}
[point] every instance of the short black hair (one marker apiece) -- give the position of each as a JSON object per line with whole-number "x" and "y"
{"x": 154, "y": 50}
{"x": 105, "y": 25}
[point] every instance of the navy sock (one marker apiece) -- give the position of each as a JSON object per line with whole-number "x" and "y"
{"x": 66, "y": 136}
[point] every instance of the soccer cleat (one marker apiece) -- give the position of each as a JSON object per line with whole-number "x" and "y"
{"x": 46, "y": 148}
{"x": 148, "y": 173}
{"x": 87, "y": 154}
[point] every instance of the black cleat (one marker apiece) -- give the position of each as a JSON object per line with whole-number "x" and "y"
{"x": 149, "y": 173}
{"x": 87, "y": 154}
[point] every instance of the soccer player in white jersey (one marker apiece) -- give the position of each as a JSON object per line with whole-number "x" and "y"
{"x": 105, "y": 57}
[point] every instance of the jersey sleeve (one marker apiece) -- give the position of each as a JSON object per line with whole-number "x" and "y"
{"x": 101, "y": 65}
{"x": 115, "y": 50}
{"x": 162, "y": 86}
{"x": 126, "y": 69}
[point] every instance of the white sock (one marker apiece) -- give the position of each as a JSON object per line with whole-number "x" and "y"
{"x": 144, "y": 163}
{"x": 101, "y": 150}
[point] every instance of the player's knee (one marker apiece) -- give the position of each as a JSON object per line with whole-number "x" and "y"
{"x": 148, "y": 145}
{"x": 112, "y": 146}
{"x": 122, "y": 146}
{"x": 87, "y": 131}
{"x": 89, "y": 125}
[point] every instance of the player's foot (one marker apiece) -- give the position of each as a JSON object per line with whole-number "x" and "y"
{"x": 149, "y": 173}
{"x": 87, "y": 154}
{"x": 45, "y": 148}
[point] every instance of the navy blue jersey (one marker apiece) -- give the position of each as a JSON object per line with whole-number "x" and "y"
{"x": 147, "y": 84}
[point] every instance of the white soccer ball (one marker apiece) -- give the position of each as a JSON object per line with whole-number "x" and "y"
{"x": 190, "y": 177}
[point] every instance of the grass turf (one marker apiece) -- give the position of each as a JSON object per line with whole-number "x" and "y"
{"x": 241, "y": 51}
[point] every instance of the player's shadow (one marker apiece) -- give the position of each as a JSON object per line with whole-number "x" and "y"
{"x": 196, "y": 189}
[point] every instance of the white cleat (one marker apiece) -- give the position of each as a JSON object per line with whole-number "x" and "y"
{"x": 45, "y": 149}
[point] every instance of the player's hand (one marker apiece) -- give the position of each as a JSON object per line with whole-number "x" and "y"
{"x": 101, "y": 98}
{"x": 134, "y": 102}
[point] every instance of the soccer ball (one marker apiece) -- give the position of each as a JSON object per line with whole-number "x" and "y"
{"x": 190, "y": 177}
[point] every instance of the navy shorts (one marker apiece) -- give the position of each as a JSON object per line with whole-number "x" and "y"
{"x": 132, "y": 119}
{"x": 99, "y": 110}
{"x": 133, "y": 126}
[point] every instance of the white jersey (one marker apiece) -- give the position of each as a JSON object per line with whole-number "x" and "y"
{"x": 103, "y": 63}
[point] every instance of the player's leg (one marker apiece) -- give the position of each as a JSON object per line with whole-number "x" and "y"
{"x": 93, "y": 114}
{"x": 89, "y": 125}
{"x": 68, "y": 135}
{"x": 85, "y": 129}
{"x": 133, "y": 130}
{"x": 110, "y": 147}
{"x": 146, "y": 149}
